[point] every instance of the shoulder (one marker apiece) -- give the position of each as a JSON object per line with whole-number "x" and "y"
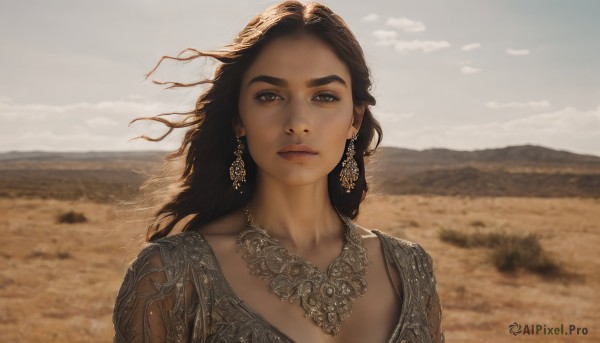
{"x": 408, "y": 255}
{"x": 402, "y": 247}
{"x": 192, "y": 247}
{"x": 388, "y": 242}
{"x": 173, "y": 253}
{"x": 401, "y": 250}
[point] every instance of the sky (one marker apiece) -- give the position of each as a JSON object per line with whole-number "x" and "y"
{"x": 460, "y": 74}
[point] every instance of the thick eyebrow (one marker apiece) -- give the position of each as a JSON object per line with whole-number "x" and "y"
{"x": 325, "y": 80}
{"x": 269, "y": 79}
{"x": 310, "y": 83}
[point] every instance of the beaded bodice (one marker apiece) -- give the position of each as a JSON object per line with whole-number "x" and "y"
{"x": 175, "y": 291}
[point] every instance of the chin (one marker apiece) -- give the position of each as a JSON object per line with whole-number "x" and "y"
{"x": 297, "y": 179}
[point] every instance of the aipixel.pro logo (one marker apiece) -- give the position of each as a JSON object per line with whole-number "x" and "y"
{"x": 546, "y": 330}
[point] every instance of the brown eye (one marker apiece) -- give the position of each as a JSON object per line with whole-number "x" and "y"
{"x": 326, "y": 97}
{"x": 266, "y": 97}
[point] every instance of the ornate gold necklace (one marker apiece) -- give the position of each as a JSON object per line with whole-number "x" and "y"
{"x": 325, "y": 297}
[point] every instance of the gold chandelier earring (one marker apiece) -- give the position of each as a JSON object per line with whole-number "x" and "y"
{"x": 349, "y": 172}
{"x": 237, "y": 171}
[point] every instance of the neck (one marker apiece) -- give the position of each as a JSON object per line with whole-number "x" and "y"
{"x": 299, "y": 216}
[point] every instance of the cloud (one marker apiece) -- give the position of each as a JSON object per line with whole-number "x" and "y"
{"x": 566, "y": 129}
{"x": 101, "y": 121}
{"x": 550, "y": 127}
{"x": 420, "y": 46}
{"x": 385, "y": 37}
{"x": 406, "y": 25}
{"x": 390, "y": 116}
{"x": 80, "y": 126}
{"x": 372, "y": 17}
{"x": 470, "y": 47}
{"x": 513, "y": 52}
{"x": 390, "y": 37}
{"x": 469, "y": 70}
{"x": 535, "y": 105}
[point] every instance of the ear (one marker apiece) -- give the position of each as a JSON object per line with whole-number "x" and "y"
{"x": 357, "y": 117}
{"x": 238, "y": 127}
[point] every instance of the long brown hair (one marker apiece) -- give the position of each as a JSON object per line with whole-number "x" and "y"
{"x": 204, "y": 190}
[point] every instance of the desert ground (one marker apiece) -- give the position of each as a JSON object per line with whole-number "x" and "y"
{"x": 58, "y": 282}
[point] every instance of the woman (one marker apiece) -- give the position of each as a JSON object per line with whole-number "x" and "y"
{"x": 274, "y": 174}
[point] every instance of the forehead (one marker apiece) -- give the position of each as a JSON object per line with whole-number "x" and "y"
{"x": 297, "y": 58}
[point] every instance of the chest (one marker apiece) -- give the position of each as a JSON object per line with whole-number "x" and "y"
{"x": 373, "y": 319}
{"x": 247, "y": 302}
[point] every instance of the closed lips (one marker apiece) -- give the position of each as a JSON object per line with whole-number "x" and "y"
{"x": 298, "y": 148}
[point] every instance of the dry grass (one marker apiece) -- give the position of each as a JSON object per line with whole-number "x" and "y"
{"x": 479, "y": 302}
{"x": 58, "y": 282}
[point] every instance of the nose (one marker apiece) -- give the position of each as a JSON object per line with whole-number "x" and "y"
{"x": 297, "y": 117}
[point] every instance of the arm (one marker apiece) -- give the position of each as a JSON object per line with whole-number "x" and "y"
{"x": 433, "y": 304}
{"x": 148, "y": 307}
{"x": 434, "y": 318}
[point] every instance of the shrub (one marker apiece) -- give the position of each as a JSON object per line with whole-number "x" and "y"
{"x": 71, "y": 217}
{"x": 510, "y": 252}
{"x": 455, "y": 237}
{"x": 477, "y": 223}
{"x": 63, "y": 255}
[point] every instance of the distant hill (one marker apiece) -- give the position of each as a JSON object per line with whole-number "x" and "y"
{"x": 98, "y": 176}
{"x": 149, "y": 155}
{"x": 526, "y": 170}
{"x": 470, "y": 181}
{"x": 512, "y": 154}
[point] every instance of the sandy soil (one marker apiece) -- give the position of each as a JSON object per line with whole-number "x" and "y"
{"x": 58, "y": 281}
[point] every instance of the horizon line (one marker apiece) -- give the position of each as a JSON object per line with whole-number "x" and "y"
{"x": 380, "y": 147}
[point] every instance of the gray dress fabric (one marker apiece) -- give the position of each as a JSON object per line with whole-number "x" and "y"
{"x": 175, "y": 291}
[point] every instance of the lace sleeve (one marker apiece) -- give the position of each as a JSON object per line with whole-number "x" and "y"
{"x": 149, "y": 306}
{"x": 433, "y": 304}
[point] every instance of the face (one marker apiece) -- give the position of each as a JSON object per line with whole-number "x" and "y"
{"x": 297, "y": 91}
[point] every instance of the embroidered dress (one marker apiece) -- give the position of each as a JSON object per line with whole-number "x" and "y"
{"x": 175, "y": 291}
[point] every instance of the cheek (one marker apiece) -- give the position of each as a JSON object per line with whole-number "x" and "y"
{"x": 261, "y": 132}
{"x": 254, "y": 118}
{"x": 245, "y": 110}
{"x": 334, "y": 134}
